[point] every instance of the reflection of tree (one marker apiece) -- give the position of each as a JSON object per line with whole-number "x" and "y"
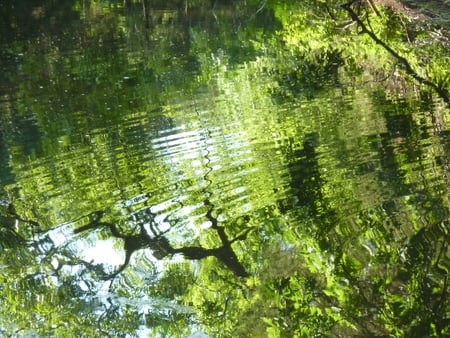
{"x": 304, "y": 169}
{"x": 225, "y": 253}
{"x": 131, "y": 243}
{"x": 427, "y": 273}
{"x": 161, "y": 247}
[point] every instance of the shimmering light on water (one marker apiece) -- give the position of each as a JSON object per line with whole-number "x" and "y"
{"x": 102, "y": 252}
{"x": 248, "y": 187}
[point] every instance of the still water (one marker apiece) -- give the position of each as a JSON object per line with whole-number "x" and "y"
{"x": 180, "y": 170}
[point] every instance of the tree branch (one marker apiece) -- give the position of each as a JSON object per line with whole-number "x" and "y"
{"x": 442, "y": 92}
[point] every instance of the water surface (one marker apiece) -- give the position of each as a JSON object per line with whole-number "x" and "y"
{"x": 168, "y": 170}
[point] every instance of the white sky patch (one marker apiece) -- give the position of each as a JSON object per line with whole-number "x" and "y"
{"x": 103, "y": 252}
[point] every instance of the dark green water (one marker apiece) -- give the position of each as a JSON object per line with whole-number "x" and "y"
{"x": 253, "y": 187}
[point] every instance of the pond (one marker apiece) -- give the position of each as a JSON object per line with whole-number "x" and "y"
{"x": 215, "y": 169}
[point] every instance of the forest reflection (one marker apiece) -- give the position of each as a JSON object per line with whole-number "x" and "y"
{"x": 257, "y": 169}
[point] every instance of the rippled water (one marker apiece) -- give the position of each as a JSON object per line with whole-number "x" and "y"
{"x": 344, "y": 173}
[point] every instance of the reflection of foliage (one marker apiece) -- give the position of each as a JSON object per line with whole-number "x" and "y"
{"x": 161, "y": 247}
{"x": 340, "y": 246}
{"x": 311, "y": 71}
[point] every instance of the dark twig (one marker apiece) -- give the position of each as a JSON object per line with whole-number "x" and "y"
{"x": 442, "y": 92}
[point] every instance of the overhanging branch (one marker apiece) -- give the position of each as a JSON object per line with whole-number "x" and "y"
{"x": 442, "y": 92}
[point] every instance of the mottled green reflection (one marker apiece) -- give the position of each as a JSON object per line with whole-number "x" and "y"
{"x": 257, "y": 169}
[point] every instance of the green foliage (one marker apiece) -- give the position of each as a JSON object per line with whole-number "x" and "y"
{"x": 276, "y": 118}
